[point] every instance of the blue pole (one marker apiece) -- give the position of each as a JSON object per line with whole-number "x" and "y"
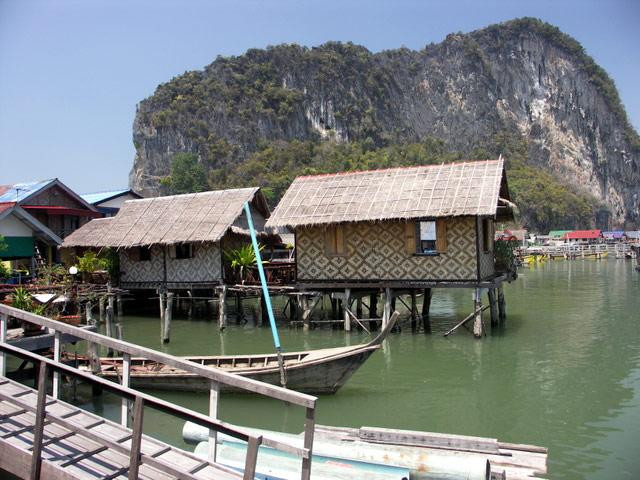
{"x": 263, "y": 280}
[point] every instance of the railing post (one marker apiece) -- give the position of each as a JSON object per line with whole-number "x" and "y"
{"x": 126, "y": 375}
{"x": 214, "y": 396}
{"x": 56, "y": 358}
{"x": 253, "y": 444}
{"x": 3, "y": 338}
{"x": 309, "y": 430}
{"x": 38, "y": 429}
{"x": 136, "y": 438}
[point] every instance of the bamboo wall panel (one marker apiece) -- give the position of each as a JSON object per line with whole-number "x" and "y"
{"x": 377, "y": 251}
{"x": 137, "y": 271}
{"x": 203, "y": 267}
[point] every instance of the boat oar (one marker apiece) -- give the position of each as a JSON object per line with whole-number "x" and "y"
{"x": 267, "y": 298}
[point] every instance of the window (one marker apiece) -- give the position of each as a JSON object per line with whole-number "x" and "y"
{"x": 144, "y": 254}
{"x": 426, "y": 237}
{"x": 184, "y": 251}
{"x": 334, "y": 240}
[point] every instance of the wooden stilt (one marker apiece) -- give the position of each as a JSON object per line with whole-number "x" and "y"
{"x": 168, "y": 313}
{"x": 293, "y": 308}
{"x": 414, "y": 311}
{"x": 88, "y": 313}
{"x": 373, "y": 311}
{"x": 161, "y": 298}
{"x": 334, "y": 308}
{"x": 477, "y": 306}
{"x": 345, "y": 308}
{"x": 306, "y": 311}
{"x": 222, "y": 307}
{"x": 190, "y": 311}
{"x": 110, "y": 328}
{"x": 239, "y": 307}
{"x": 119, "y": 304}
{"x": 502, "y": 307}
{"x": 386, "y": 313}
{"x": 101, "y": 303}
{"x": 493, "y": 306}
{"x": 359, "y": 307}
{"x": 426, "y": 308}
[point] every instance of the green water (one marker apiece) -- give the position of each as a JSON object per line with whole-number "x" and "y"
{"x": 564, "y": 373}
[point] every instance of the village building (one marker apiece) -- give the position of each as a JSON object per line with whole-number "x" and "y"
{"x": 179, "y": 241}
{"x": 108, "y": 203}
{"x": 583, "y": 237}
{"x": 35, "y": 217}
{"x": 398, "y": 229}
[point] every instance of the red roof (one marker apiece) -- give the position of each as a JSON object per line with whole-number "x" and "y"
{"x": 582, "y": 235}
{"x": 57, "y": 210}
{"x": 6, "y": 205}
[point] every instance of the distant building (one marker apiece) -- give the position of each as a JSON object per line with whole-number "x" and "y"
{"x": 108, "y": 203}
{"x": 36, "y": 216}
{"x": 632, "y": 236}
{"x": 613, "y": 236}
{"x": 583, "y": 236}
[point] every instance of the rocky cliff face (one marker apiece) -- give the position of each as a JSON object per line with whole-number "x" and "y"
{"x": 523, "y": 77}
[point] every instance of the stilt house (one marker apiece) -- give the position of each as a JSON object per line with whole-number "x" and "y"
{"x": 176, "y": 241}
{"x": 401, "y": 227}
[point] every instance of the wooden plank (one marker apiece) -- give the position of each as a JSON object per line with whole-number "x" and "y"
{"x": 428, "y": 439}
{"x": 309, "y": 429}
{"x": 251, "y": 457}
{"x": 134, "y": 457}
{"x": 36, "y": 459}
{"x": 126, "y": 376}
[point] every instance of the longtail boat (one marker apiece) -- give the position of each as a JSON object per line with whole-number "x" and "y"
{"x": 313, "y": 371}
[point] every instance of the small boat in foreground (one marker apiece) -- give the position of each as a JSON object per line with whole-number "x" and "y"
{"x": 313, "y": 371}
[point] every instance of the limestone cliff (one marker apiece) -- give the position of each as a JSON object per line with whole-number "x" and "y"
{"x": 523, "y": 76}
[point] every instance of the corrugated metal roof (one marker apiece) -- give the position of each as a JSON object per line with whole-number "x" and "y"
{"x": 97, "y": 197}
{"x": 583, "y": 234}
{"x": 19, "y": 191}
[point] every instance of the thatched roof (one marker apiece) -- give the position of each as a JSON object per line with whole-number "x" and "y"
{"x": 455, "y": 189}
{"x": 194, "y": 217}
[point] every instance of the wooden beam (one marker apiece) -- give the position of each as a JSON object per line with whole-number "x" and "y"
{"x": 38, "y": 431}
{"x": 136, "y": 439}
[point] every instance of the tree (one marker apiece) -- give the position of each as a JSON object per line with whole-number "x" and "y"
{"x": 187, "y": 175}
{"x": 3, "y": 244}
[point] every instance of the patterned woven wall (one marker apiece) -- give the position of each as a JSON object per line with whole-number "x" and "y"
{"x": 204, "y": 267}
{"x": 135, "y": 271}
{"x": 376, "y": 251}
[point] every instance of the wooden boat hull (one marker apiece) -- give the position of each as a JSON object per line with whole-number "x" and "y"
{"x": 321, "y": 371}
{"x": 325, "y": 376}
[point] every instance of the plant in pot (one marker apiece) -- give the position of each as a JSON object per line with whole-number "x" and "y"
{"x": 90, "y": 264}
{"x": 22, "y": 299}
{"x": 242, "y": 259}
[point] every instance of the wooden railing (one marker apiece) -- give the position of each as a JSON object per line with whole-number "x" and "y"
{"x": 128, "y": 350}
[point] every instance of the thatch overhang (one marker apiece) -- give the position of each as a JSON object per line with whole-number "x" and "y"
{"x": 190, "y": 218}
{"x": 475, "y": 188}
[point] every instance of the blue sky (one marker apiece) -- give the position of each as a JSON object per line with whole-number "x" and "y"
{"x": 72, "y": 71}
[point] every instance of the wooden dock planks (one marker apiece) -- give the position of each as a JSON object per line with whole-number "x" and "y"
{"x": 80, "y": 445}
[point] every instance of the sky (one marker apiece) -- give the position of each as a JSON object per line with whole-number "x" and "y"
{"x": 72, "y": 71}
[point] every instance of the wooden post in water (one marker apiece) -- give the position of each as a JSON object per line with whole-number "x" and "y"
{"x": 88, "y": 313}
{"x": 101, "y": 303}
{"x": 359, "y": 306}
{"x": 119, "y": 304}
{"x": 477, "y": 307}
{"x": 109, "y": 325}
{"x": 373, "y": 311}
{"x": 334, "y": 308}
{"x": 502, "y": 307}
{"x": 239, "y": 307}
{"x": 426, "y": 308}
{"x": 306, "y": 312}
{"x": 162, "y": 310}
{"x": 214, "y": 395}
{"x": 386, "y": 312}
{"x": 493, "y": 306}
{"x": 168, "y": 313}
{"x": 222, "y": 308}
{"x": 414, "y": 311}
{"x": 345, "y": 309}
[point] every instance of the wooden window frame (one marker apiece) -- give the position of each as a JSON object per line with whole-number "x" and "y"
{"x": 335, "y": 243}
{"x": 184, "y": 251}
{"x": 487, "y": 234}
{"x": 144, "y": 254}
{"x": 441, "y": 237}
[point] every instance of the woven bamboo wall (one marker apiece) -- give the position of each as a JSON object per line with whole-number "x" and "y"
{"x": 487, "y": 267}
{"x": 203, "y": 267}
{"x": 377, "y": 251}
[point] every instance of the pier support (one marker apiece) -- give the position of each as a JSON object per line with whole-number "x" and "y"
{"x": 414, "y": 311}
{"x": 101, "y": 306}
{"x": 109, "y": 323}
{"x": 478, "y": 329}
{"x": 88, "y": 313}
{"x": 119, "y": 304}
{"x": 386, "y": 312}
{"x": 502, "y": 307}
{"x": 222, "y": 307}
{"x": 426, "y": 308}
{"x": 493, "y": 306}
{"x": 373, "y": 311}
{"x": 166, "y": 324}
{"x": 345, "y": 309}
{"x": 306, "y": 312}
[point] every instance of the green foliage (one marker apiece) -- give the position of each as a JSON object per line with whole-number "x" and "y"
{"x": 3, "y": 244}
{"x": 504, "y": 255}
{"x": 187, "y": 175}
{"x": 21, "y": 299}
{"x": 4, "y": 270}
{"x": 50, "y": 274}
{"x": 90, "y": 262}
{"x": 242, "y": 258}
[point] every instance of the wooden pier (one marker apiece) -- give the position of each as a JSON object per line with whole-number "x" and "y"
{"x": 43, "y": 437}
